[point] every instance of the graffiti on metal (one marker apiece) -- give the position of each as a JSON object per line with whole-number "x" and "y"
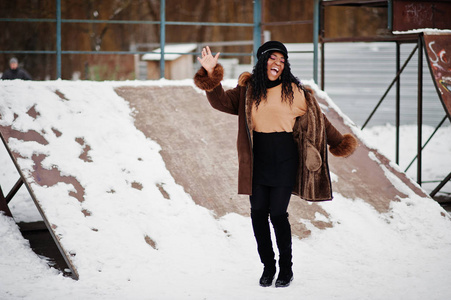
{"x": 438, "y": 49}
{"x": 409, "y": 15}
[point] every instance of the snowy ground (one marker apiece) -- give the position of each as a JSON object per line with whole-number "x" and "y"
{"x": 403, "y": 254}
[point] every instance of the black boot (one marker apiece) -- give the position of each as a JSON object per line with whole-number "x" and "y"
{"x": 262, "y": 235}
{"x": 285, "y": 277}
{"x": 268, "y": 276}
{"x": 282, "y": 229}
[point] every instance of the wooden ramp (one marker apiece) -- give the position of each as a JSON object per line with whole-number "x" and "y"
{"x": 199, "y": 148}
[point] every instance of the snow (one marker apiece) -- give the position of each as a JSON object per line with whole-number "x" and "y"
{"x": 402, "y": 254}
{"x": 436, "y": 163}
{"x": 178, "y": 48}
{"x": 424, "y": 30}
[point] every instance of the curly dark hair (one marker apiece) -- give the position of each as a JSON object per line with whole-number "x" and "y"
{"x": 260, "y": 77}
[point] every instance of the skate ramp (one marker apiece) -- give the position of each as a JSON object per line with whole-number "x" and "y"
{"x": 199, "y": 148}
{"x": 77, "y": 148}
{"x": 198, "y": 143}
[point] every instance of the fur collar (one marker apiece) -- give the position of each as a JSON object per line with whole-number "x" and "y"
{"x": 244, "y": 79}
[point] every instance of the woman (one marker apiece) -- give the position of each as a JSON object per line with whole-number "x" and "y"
{"x": 281, "y": 146}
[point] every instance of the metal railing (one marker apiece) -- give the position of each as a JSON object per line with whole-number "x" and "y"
{"x": 256, "y": 25}
{"x": 419, "y": 48}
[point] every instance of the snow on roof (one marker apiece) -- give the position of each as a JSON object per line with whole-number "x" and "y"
{"x": 178, "y": 48}
{"x": 425, "y": 30}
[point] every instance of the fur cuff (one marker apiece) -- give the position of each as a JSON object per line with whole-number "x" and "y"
{"x": 346, "y": 146}
{"x": 208, "y": 83}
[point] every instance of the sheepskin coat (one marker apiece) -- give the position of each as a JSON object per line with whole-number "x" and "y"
{"x": 311, "y": 132}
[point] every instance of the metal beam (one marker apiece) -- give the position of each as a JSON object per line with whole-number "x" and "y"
{"x": 58, "y": 39}
{"x": 398, "y": 99}
{"x": 442, "y": 184}
{"x": 373, "y": 3}
{"x": 14, "y": 190}
{"x": 420, "y": 108}
{"x": 3, "y": 205}
{"x": 315, "y": 39}
{"x": 283, "y": 23}
{"x": 430, "y": 137}
{"x": 175, "y": 23}
{"x": 390, "y": 86}
{"x": 257, "y": 27}
{"x": 162, "y": 36}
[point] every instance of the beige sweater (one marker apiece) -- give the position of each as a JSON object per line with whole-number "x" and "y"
{"x": 275, "y": 115}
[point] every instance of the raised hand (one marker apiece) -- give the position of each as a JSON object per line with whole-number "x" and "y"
{"x": 208, "y": 61}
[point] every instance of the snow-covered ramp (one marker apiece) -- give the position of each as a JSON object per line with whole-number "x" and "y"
{"x": 141, "y": 195}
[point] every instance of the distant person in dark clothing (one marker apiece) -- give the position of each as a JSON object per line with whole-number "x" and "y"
{"x": 14, "y": 72}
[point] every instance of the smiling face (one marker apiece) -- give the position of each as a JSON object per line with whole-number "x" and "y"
{"x": 276, "y": 63}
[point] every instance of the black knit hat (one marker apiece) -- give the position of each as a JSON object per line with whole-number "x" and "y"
{"x": 272, "y": 46}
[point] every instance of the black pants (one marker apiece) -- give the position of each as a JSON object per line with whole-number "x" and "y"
{"x": 274, "y": 173}
{"x": 273, "y": 200}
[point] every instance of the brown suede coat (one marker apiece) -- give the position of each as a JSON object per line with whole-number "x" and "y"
{"x": 310, "y": 132}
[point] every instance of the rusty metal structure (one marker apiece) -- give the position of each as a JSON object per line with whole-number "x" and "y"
{"x": 407, "y": 21}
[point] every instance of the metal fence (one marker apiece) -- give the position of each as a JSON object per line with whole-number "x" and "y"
{"x": 256, "y": 25}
